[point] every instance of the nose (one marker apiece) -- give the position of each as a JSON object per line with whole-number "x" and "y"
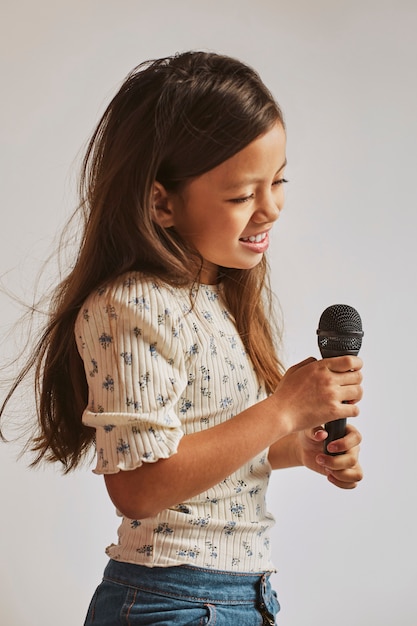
{"x": 267, "y": 210}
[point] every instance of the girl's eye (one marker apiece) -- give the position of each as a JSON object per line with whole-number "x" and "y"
{"x": 244, "y": 199}
{"x": 275, "y": 183}
{"x": 280, "y": 181}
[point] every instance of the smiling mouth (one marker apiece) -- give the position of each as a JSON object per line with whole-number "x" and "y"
{"x": 254, "y": 238}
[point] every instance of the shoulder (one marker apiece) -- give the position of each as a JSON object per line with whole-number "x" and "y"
{"x": 131, "y": 298}
{"x": 130, "y": 315}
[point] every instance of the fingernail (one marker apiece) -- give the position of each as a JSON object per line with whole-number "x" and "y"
{"x": 320, "y": 460}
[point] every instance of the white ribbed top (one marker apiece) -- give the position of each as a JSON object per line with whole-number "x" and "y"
{"x": 159, "y": 368}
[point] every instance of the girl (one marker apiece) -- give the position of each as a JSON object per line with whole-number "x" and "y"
{"x": 160, "y": 353}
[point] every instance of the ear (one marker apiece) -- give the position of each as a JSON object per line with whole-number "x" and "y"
{"x": 162, "y": 206}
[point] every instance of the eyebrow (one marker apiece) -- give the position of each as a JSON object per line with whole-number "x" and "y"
{"x": 251, "y": 181}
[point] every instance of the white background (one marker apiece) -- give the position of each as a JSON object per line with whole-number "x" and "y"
{"x": 345, "y": 76}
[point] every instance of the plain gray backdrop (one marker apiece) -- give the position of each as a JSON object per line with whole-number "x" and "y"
{"x": 345, "y": 76}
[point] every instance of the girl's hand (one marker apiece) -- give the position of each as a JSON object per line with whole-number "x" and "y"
{"x": 315, "y": 392}
{"x": 342, "y": 470}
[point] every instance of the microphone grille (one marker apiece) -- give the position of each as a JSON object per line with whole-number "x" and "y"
{"x": 340, "y": 318}
{"x": 340, "y": 330}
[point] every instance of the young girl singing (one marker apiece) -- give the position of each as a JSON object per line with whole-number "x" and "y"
{"x": 160, "y": 351}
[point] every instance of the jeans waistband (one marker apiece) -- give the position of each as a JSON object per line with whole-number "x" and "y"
{"x": 222, "y": 587}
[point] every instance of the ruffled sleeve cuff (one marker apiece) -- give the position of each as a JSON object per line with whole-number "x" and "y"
{"x": 124, "y": 441}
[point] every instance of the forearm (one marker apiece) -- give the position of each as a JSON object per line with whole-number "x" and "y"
{"x": 202, "y": 460}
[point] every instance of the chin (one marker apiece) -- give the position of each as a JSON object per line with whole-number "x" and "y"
{"x": 245, "y": 266}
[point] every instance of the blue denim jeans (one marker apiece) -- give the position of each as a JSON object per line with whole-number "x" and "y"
{"x": 135, "y": 595}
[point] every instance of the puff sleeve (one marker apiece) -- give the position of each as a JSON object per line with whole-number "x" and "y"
{"x": 129, "y": 337}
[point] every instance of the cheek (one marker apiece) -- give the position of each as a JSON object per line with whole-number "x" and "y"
{"x": 279, "y": 197}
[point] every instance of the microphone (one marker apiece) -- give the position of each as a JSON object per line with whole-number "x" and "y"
{"x": 339, "y": 333}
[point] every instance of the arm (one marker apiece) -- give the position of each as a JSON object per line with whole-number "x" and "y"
{"x": 309, "y": 394}
{"x": 202, "y": 460}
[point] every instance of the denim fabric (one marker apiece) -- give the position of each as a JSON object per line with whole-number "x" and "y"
{"x": 136, "y": 595}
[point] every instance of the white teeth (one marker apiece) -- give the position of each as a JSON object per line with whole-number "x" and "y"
{"x": 255, "y": 239}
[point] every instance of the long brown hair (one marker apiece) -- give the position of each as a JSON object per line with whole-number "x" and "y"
{"x": 171, "y": 120}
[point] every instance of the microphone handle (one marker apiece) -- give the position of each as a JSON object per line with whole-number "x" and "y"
{"x": 335, "y": 430}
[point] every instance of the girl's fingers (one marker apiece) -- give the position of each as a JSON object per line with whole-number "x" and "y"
{"x": 344, "y": 364}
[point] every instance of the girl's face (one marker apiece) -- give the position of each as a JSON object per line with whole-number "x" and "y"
{"x": 227, "y": 213}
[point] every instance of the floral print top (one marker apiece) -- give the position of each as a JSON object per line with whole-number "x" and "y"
{"x": 162, "y": 363}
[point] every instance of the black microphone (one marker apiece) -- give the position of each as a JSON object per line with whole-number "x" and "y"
{"x": 339, "y": 333}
